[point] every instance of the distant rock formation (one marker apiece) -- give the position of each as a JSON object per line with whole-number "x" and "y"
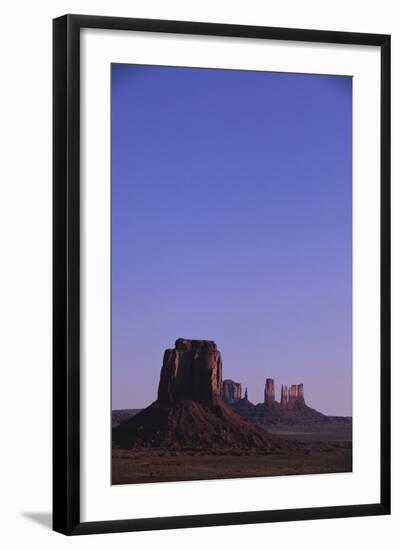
{"x": 292, "y": 395}
{"x": 284, "y": 397}
{"x": 300, "y": 394}
{"x": 120, "y": 415}
{"x": 269, "y": 392}
{"x": 231, "y": 391}
{"x": 291, "y": 412}
{"x": 190, "y": 411}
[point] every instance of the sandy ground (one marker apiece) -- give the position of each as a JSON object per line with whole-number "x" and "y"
{"x": 156, "y": 465}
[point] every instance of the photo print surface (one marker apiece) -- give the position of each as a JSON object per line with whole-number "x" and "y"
{"x": 231, "y": 273}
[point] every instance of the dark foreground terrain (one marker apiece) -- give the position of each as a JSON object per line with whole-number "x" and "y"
{"x": 120, "y": 415}
{"x": 314, "y": 453}
{"x": 155, "y": 465}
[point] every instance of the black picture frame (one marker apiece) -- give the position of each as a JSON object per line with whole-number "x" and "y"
{"x": 66, "y": 273}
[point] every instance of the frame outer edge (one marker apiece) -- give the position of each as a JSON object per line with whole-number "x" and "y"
{"x": 385, "y": 275}
{"x": 60, "y": 478}
{"x": 226, "y": 30}
{"x": 66, "y": 274}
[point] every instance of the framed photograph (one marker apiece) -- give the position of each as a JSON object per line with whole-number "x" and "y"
{"x": 221, "y": 274}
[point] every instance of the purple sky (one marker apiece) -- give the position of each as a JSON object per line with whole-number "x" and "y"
{"x": 231, "y": 221}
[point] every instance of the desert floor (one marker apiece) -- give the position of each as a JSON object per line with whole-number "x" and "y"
{"x": 315, "y": 453}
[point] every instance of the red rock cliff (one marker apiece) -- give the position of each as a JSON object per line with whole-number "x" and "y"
{"x": 191, "y": 371}
{"x": 231, "y": 391}
{"x": 269, "y": 391}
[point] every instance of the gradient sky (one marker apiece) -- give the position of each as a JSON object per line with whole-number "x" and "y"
{"x": 231, "y": 221}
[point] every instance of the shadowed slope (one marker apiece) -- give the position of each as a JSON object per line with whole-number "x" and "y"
{"x": 191, "y": 424}
{"x": 273, "y": 416}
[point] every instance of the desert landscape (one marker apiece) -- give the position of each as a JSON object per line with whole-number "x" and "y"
{"x": 200, "y": 427}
